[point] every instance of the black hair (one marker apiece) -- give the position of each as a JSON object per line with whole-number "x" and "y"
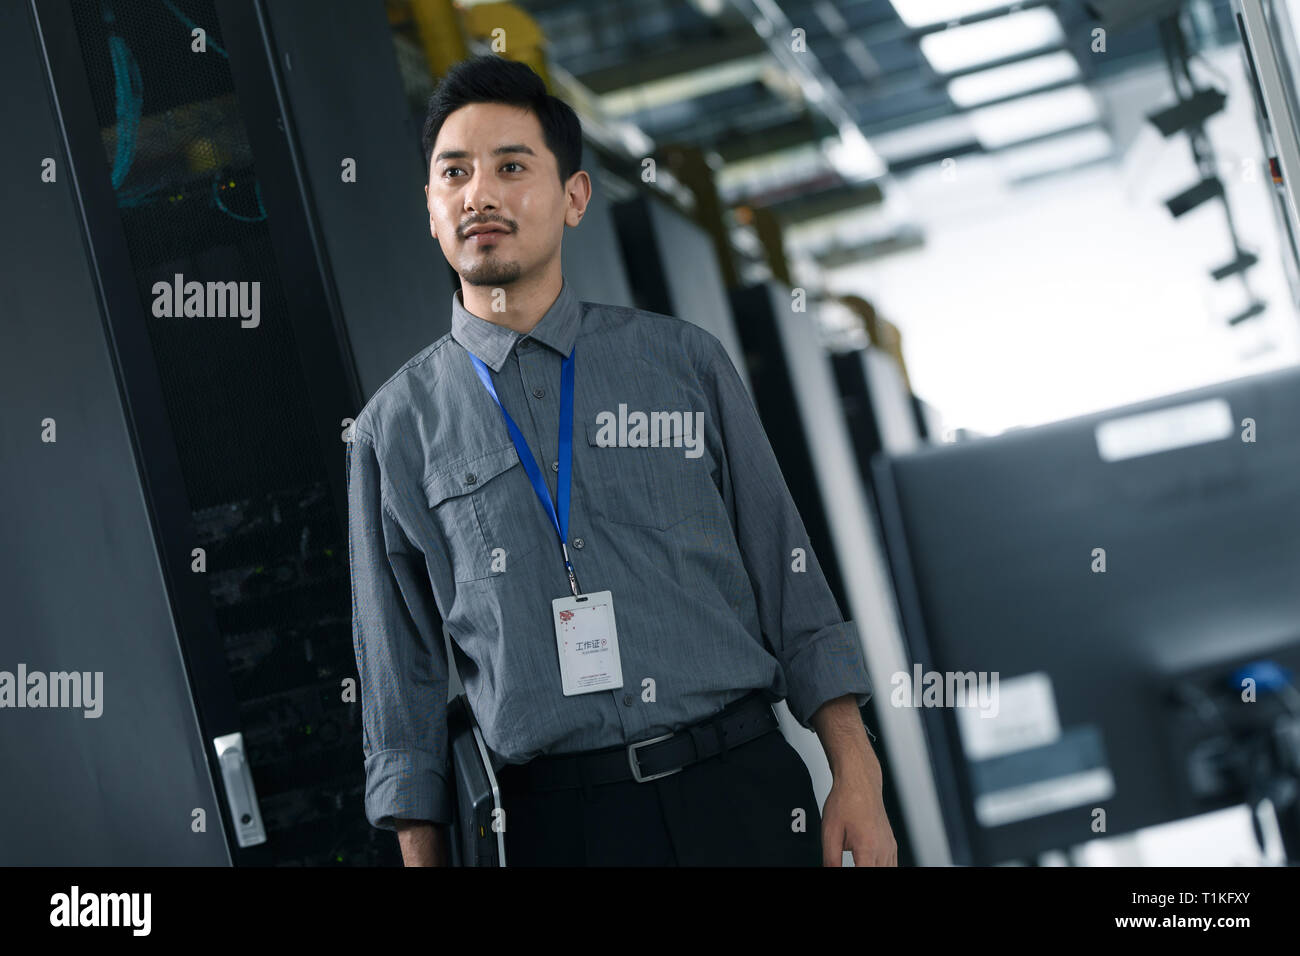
{"x": 494, "y": 79}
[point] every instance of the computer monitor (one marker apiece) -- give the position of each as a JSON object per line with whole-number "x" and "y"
{"x": 1091, "y": 565}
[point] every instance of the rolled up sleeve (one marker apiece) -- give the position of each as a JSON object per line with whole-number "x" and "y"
{"x": 819, "y": 651}
{"x": 401, "y": 658}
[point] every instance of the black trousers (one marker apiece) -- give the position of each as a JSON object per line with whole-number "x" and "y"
{"x": 737, "y": 809}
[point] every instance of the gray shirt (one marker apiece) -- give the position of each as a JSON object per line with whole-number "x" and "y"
{"x": 716, "y": 590}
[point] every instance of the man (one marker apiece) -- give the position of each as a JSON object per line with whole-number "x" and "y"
{"x": 585, "y": 495}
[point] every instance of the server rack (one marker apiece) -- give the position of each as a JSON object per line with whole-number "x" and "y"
{"x": 797, "y": 398}
{"x": 219, "y": 166}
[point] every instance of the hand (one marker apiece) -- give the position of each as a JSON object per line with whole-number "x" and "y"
{"x": 854, "y": 819}
{"x": 854, "y": 816}
{"x": 423, "y": 843}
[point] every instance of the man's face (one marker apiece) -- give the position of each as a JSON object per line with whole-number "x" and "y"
{"x": 517, "y": 190}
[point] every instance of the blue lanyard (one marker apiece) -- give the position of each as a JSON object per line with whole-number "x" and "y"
{"x": 561, "y": 521}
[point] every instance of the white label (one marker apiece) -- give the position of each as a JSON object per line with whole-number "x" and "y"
{"x": 1165, "y": 430}
{"x": 1045, "y": 796}
{"x": 1022, "y": 715}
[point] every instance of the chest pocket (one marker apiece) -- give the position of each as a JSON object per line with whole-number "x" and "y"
{"x": 483, "y": 503}
{"x": 653, "y": 487}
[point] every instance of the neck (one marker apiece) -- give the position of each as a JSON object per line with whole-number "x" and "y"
{"x": 524, "y": 304}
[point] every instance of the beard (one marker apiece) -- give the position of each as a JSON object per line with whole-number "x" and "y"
{"x": 490, "y": 270}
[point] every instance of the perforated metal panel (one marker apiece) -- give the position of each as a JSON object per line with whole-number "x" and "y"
{"x": 254, "y": 458}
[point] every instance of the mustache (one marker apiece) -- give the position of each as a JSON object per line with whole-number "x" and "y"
{"x": 464, "y": 230}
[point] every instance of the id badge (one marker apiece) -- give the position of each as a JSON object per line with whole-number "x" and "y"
{"x": 588, "y": 643}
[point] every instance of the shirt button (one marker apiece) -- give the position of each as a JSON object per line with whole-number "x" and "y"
{"x": 555, "y": 466}
{"x": 627, "y": 699}
{"x": 539, "y": 392}
{"x": 471, "y": 478}
{"x": 579, "y": 543}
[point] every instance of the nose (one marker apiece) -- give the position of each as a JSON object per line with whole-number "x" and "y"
{"x": 478, "y": 197}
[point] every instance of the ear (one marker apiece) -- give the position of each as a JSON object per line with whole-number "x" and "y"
{"x": 432, "y": 228}
{"x": 579, "y": 195}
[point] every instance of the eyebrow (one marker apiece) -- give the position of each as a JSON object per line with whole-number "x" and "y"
{"x": 499, "y": 151}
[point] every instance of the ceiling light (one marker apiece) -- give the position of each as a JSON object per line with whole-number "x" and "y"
{"x": 711, "y": 8}
{"x": 921, "y": 13}
{"x": 921, "y": 138}
{"x": 1008, "y": 123}
{"x": 976, "y": 88}
{"x": 853, "y": 157}
{"x": 964, "y": 47}
{"x": 1059, "y": 152}
{"x": 684, "y": 86}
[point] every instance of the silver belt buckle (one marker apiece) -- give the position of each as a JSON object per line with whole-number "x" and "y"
{"x": 636, "y": 771}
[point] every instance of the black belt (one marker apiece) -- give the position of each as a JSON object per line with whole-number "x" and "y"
{"x": 738, "y": 723}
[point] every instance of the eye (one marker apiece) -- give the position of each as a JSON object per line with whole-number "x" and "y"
{"x": 512, "y": 163}
{"x": 449, "y": 169}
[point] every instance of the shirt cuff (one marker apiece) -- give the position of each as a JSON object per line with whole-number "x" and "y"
{"x": 405, "y": 785}
{"x": 829, "y": 665}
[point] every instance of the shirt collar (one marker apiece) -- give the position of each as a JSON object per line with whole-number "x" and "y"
{"x": 491, "y": 342}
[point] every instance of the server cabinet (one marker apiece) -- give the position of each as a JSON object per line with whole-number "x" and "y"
{"x": 796, "y": 395}
{"x": 247, "y": 305}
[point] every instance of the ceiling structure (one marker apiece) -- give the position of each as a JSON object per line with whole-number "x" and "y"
{"x": 814, "y": 108}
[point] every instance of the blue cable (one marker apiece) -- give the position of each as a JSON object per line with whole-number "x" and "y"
{"x": 128, "y": 94}
{"x": 194, "y": 26}
{"x": 128, "y": 89}
{"x": 257, "y": 191}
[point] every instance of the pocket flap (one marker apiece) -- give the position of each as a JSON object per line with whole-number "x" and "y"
{"x": 468, "y": 474}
